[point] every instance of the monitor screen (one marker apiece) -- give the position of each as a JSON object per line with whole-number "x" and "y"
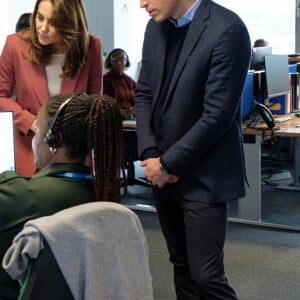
{"x": 258, "y": 57}
{"x": 7, "y": 149}
{"x": 277, "y": 75}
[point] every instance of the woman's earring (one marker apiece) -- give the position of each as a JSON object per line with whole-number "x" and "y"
{"x": 52, "y": 150}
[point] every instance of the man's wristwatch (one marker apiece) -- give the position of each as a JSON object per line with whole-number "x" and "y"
{"x": 162, "y": 168}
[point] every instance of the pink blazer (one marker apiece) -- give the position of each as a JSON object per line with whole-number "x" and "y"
{"x": 31, "y": 90}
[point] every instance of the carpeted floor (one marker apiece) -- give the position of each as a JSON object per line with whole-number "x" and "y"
{"x": 261, "y": 263}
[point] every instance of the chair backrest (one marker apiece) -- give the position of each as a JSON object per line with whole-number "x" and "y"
{"x": 100, "y": 249}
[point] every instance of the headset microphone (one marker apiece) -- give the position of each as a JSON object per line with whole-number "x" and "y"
{"x": 52, "y": 138}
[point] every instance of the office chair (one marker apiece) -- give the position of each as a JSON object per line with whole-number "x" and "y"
{"x": 92, "y": 251}
{"x": 130, "y": 155}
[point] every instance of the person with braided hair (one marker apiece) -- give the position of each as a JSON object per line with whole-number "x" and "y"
{"x": 69, "y": 127}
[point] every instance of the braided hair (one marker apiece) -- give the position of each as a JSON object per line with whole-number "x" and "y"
{"x": 91, "y": 125}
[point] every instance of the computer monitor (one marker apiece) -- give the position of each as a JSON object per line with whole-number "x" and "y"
{"x": 258, "y": 57}
{"x": 7, "y": 148}
{"x": 277, "y": 75}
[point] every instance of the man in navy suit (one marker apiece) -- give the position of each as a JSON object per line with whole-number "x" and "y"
{"x": 195, "y": 60}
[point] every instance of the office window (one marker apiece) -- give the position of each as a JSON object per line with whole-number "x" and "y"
{"x": 273, "y": 20}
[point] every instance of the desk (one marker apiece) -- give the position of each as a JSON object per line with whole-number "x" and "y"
{"x": 249, "y": 207}
{"x": 295, "y": 59}
{"x": 290, "y": 128}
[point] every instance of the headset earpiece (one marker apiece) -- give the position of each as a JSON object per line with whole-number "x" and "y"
{"x": 53, "y": 138}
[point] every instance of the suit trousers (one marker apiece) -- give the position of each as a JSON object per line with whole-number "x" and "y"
{"x": 195, "y": 235}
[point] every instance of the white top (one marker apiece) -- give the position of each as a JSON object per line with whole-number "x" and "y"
{"x": 53, "y": 73}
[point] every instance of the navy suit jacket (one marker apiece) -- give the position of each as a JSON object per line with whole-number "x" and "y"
{"x": 201, "y": 125}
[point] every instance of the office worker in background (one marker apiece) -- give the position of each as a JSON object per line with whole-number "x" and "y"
{"x": 117, "y": 84}
{"x": 23, "y": 22}
{"x": 84, "y": 125}
{"x": 258, "y": 65}
{"x": 56, "y": 55}
{"x": 187, "y": 102}
{"x": 260, "y": 43}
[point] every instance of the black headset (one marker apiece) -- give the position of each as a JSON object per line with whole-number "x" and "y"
{"x": 118, "y": 50}
{"x": 52, "y": 138}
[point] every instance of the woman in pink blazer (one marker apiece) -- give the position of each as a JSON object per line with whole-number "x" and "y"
{"x": 57, "y": 55}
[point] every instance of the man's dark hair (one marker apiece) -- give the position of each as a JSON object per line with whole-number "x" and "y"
{"x": 24, "y": 22}
{"x": 261, "y": 43}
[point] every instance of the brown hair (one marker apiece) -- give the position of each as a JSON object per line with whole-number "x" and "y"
{"x": 92, "y": 125}
{"x": 70, "y": 21}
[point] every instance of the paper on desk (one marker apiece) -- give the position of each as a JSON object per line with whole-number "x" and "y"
{"x": 291, "y": 130}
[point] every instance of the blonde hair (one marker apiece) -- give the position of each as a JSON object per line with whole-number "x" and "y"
{"x": 70, "y": 21}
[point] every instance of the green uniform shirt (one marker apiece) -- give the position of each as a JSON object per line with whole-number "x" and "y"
{"x": 24, "y": 198}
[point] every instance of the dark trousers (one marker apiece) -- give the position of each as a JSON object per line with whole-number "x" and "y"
{"x": 195, "y": 235}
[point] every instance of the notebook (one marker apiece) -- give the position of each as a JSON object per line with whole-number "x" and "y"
{"x": 7, "y": 148}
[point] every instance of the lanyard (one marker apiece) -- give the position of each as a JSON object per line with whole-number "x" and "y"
{"x": 75, "y": 175}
